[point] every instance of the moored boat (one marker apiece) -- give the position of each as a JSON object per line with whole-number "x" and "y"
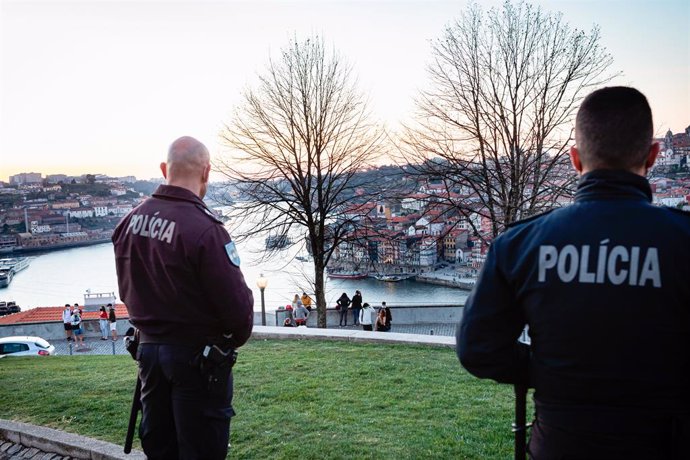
{"x": 10, "y": 267}
{"x": 7, "y": 308}
{"x": 277, "y": 241}
{"x": 391, "y": 278}
{"x": 349, "y": 275}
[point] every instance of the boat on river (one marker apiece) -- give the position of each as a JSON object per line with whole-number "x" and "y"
{"x": 277, "y": 241}
{"x": 391, "y": 278}
{"x": 7, "y": 308}
{"x": 347, "y": 275}
{"x": 10, "y": 267}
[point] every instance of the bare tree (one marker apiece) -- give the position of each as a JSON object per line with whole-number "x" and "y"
{"x": 496, "y": 121}
{"x": 297, "y": 141}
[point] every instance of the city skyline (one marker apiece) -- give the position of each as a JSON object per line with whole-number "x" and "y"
{"x": 105, "y": 86}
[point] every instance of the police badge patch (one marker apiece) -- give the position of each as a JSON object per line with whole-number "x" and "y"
{"x": 233, "y": 255}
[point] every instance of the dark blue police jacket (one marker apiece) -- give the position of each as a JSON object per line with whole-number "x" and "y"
{"x": 604, "y": 285}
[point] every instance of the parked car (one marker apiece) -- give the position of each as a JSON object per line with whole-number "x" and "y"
{"x": 25, "y": 346}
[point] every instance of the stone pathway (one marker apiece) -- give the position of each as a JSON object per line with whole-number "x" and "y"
{"x": 421, "y": 329}
{"x": 25, "y": 441}
{"x": 11, "y": 451}
{"x": 95, "y": 346}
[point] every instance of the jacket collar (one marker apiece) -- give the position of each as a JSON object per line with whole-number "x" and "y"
{"x": 610, "y": 184}
{"x": 177, "y": 193}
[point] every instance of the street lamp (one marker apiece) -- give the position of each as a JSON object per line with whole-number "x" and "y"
{"x": 261, "y": 283}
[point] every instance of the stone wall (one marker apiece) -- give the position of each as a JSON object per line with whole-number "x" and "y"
{"x": 53, "y": 330}
{"x": 401, "y": 315}
{"x": 444, "y": 314}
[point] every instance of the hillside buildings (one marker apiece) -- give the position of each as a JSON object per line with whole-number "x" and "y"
{"x": 60, "y": 210}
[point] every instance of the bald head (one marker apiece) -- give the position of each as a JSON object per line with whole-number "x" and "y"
{"x": 188, "y": 165}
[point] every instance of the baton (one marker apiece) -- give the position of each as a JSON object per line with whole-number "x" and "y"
{"x": 520, "y": 426}
{"x": 136, "y": 406}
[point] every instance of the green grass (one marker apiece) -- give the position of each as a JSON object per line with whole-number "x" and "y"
{"x": 294, "y": 399}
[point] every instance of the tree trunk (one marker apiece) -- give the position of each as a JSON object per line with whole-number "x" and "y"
{"x": 320, "y": 294}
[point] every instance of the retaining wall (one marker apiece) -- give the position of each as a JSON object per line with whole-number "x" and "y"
{"x": 54, "y": 330}
{"x": 401, "y": 315}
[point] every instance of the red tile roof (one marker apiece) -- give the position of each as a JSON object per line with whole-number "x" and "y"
{"x": 48, "y": 314}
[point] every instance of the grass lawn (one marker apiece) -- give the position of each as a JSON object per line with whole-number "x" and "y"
{"x": 294, "y": 399}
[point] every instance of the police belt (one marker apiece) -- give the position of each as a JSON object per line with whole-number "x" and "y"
{"x": 173, "y": 339}
{"x": 596, "y": 419}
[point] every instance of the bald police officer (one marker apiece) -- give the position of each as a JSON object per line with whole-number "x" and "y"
{"x": 604, "y": 285}
{"x": 179, "y": 275}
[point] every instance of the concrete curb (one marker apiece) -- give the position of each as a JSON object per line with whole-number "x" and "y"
{"x": 62, "y": 443}
{"x": 313, "y": 333}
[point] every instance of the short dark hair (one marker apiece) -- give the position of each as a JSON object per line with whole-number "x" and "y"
{"x": 613, "y": 129}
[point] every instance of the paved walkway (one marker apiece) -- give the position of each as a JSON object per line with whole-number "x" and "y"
{"x": 95, "y": 346}
{"x": 25, "y": 441}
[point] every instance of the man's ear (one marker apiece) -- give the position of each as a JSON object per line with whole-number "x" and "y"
{"x": 651, "y": 157}
{"x": 164, "y": 170}
{"x": 205, "y": 175}
{"x": 575, "y": 159}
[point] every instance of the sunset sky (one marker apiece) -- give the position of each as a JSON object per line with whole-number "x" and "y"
{"x": 105, "y": 86}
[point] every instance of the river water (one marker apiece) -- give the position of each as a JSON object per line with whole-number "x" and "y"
{"x": 60, "y": 277}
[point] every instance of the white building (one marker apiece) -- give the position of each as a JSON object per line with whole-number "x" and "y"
{"x": 25, "y": 178}
{"x": 428, "y": 253}
{"x": 671, "y": 201}
{"x": 36, "y": 228}
{"x": 120, "y": 209}
{"x": 80, "y": 213}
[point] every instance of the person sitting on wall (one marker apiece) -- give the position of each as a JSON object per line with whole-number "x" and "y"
{"x": 301, "y": 315}
{"x": 382, "y": 324}
{"x": 306, "y": 301}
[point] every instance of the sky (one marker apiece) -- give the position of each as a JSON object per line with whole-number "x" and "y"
{"x": 104, "y": 86}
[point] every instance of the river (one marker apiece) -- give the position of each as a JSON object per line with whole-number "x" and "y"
{"x": 63, "y": 276}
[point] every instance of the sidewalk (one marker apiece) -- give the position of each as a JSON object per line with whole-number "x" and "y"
{"x": 356, "y": 334}
{"x": 398, "y": 334}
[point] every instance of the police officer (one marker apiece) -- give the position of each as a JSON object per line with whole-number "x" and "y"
{"x": 604, "y": 285}
{"x": 179, "y": 275}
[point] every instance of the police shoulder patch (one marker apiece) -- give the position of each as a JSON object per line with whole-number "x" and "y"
{"x": 233, "y": 255}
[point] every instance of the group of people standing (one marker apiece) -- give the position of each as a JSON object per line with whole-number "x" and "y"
{"x": 107, "y": 322}
{"x": 72, "y": 318}
{"x": 363, "y": 313}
